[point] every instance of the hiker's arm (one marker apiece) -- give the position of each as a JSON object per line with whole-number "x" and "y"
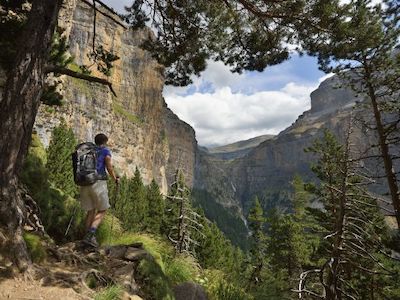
{"x": 110, "y": 168}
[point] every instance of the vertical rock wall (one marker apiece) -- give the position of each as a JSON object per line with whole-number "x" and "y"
{"x": 143, "y": 132}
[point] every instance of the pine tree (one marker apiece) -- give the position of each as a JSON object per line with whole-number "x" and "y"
{"x": 120, "y": 205}
{"x": 244, "y": 34}
{"x": 351, "y": 226}
{"x": 288, "y": 249}
{"x": 362, "y": 49}
{"x": 136, "y": 206}
{"x": 155, "y": 212}
{"x": 258, "y": 249}
{"x": 212, "y": 247}
{"x": 59, "y": 163}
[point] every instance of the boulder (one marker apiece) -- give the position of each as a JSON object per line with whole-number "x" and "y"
{"x": 134, "y": 254}
{"x": 190, "y": 291}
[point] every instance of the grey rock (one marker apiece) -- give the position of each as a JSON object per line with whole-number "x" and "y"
{"x": 134, "y": 254}
{"x": 190, "y": 291}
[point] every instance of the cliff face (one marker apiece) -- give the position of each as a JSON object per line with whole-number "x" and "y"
{"x": 143, "y": 132}
{"x": 268, "y": 168}
{"x": 273, "y": 164}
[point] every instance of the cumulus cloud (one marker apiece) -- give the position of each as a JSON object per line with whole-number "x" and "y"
{"x": 216, "y": 76}
{"x": 222, "y": 116}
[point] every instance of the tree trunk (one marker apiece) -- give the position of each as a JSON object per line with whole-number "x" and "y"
{"x": 18, "y": 108}
{"x": 384, "y": 148}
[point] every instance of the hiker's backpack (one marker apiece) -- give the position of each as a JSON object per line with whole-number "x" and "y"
{"x": 84, "y": 162}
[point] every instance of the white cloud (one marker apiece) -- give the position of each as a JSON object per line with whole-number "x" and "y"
{"x": 223, "y": 117}
{"x": 216, "y": 75}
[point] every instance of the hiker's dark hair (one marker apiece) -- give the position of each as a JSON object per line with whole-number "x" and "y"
{"x": 100, "y": 139}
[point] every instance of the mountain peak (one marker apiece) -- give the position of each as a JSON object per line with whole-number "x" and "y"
{"x": 330, "y": 96}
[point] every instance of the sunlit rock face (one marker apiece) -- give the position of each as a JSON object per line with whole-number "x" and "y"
{"x": 143, "y": 132}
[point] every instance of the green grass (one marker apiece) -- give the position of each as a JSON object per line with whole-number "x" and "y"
{"x": 123, "y": 112}
{"x": 181, "y": 268}
{"x": 49, "y": 109}
{"x": 35, "y": 247}
{"x": 110, "y": 293}
{"x": 159, "y": 248}
{"x": 81, "y": 85}
{"x": 218, "y": 287}
{"x": 110, "y": 229}
{"x": 74, "y": 67}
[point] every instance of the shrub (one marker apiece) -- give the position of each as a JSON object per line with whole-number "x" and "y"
{"x": 56, "y": 207}
{"x": 35, "y": 247}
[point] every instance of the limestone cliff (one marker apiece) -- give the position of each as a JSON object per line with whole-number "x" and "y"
{"x": 143, "y": 132}
{"x": 272, "y": 165}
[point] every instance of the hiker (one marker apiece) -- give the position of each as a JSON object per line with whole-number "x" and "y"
{"x": 94, "y": 197}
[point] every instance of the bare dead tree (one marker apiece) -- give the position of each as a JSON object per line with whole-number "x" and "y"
{"x": 184, "y": 221}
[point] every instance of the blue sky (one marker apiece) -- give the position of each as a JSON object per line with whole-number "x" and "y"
{"x": 224, "y": 107}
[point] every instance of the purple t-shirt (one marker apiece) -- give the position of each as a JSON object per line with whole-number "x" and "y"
{"x": 102, "y": 152}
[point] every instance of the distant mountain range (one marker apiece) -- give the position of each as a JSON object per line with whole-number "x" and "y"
{"x": 237, "y": 149}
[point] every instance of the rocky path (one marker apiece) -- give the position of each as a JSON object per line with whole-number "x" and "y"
{"x": 23, "y": 289}
{"x": 69, "y": 269}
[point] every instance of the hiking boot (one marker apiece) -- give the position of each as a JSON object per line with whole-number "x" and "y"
{"x": 90, "y": 240}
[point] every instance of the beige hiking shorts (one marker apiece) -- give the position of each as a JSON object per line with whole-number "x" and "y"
{"x": 95, "y": 196}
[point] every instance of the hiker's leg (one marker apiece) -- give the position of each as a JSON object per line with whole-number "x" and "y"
{"x": 90, "y": 216}
{"x": 102, "y": 202}
{"x": 98, "y": 218}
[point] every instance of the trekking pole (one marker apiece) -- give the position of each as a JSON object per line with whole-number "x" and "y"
{"x": 116, "y": 190}
{"x": 70, "y": 220}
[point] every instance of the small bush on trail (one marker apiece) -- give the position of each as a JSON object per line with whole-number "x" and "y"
{"x": 35, "y": 247}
